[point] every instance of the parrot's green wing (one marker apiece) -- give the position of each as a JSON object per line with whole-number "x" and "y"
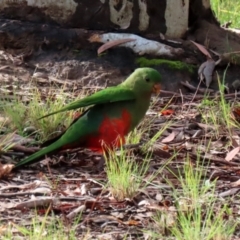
{"x": 111, "y": 94}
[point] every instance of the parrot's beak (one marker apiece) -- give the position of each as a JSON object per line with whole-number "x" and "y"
{"x": 156, "y": 88}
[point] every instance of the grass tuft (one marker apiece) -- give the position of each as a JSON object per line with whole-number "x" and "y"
{"x": 125, "y": 176}
{"x": 22, "y": 115}
{"x": 196, "y": 207}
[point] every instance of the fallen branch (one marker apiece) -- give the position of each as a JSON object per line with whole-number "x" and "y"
{"x": 140, "y": 46}
{"x": 201, "y": 90}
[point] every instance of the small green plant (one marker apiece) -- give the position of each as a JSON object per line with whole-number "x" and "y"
{"x": 203, "y": 223}
{"x": 199, "y": 214}
{"x": 6, "y": 141}
{"x": 23, "y": 115}
{"x": 194, "y": 188}
{"x": 43, "y": 229}
{"x": 125, "y": 176}
{"x": 50, "y": 126}
{"x": 207, "y": 102}
{"x": 217, "y": 111}
{"x": 225, "y": 107}
{"x": 16, "y": 112}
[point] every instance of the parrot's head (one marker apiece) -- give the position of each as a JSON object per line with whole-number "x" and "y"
{"x": 144, "y": 80}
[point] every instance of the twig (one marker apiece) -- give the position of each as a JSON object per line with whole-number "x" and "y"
{"x": 37, "y": 202}
{"x": 214, "y": 159}
{"x": 76, "y": 211}
{"x": 20, "y": 148}
{"x": 191, "y": 87}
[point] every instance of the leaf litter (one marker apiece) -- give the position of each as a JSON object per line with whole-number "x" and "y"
{"x": 70, "y": 186}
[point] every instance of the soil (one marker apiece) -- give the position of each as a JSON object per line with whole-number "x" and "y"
{"x": 69, "y": 187}
{"x": 63, "y": 184}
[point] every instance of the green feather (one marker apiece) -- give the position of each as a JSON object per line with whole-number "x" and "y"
{"x": 108, "y": 95}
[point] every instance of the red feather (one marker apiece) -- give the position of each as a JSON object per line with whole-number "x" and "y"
{"x": 111, "y": 134}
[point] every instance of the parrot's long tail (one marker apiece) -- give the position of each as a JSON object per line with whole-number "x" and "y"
{"x": 36, "y": 157}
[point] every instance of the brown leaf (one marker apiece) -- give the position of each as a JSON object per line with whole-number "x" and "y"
{"x": 232, "y": 154}
{"x": 95, "y": 38}
{"x": 202, "y": 49}
{"x": 235, "y": 184}
{"x": 236, "y": 113}
{"x": 132, "y": 223}
{"x": 5, "y": 170}
{"x": 169, "y": 138}
{"x": 206, "y": 127}
{"x": 235, "y": 139}
{"x": 113, "y": 43}
{"x": 205, "y": 71}
{"x": 4, "y": 229}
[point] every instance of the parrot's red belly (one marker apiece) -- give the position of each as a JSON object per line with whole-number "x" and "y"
{"x": 111, "y": 133}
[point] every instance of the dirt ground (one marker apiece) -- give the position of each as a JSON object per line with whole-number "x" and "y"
{"x": 70, "y": 185}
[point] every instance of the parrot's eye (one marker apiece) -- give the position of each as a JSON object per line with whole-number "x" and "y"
{"x": 147, "y": 80}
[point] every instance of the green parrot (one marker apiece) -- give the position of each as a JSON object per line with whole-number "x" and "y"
{"x": 113, "y": 113}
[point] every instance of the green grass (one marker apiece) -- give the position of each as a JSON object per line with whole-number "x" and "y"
{"x": 41, "y": 230}
{"x": 21, "y": 115}
{"x": 216, "y": 112}
{"x": 196, "y": 205}
{"x": 125, "y": 176}
{"x": 5, "y": 140}
{"x": 227, "y": 10}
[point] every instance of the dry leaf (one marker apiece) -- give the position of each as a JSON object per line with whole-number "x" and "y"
{"x": 159, "y": 197}
{"x": 5, "y": 170}
{"x": 232, "y": 154}
{"x": 202, "y": 49}
{"x": 236, "y": 113}
{"x": 4, "y": 229}
{"x": 169, "y": 138}
{"x": 132, "y": 223}
{"x": 205, "y": 71}
{"x": 235, "y": 139}
{"x": 113, "y": 43}
{"x": 76, "y": 211}
{"x": 235, "y": 184}
{"x": 206, "y": 127}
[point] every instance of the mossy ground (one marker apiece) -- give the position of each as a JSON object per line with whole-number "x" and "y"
{"x": 174, "y": 65}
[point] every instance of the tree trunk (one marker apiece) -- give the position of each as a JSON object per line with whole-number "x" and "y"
{"x": 27, "y": 26}
{"x": 170, "y": 17}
